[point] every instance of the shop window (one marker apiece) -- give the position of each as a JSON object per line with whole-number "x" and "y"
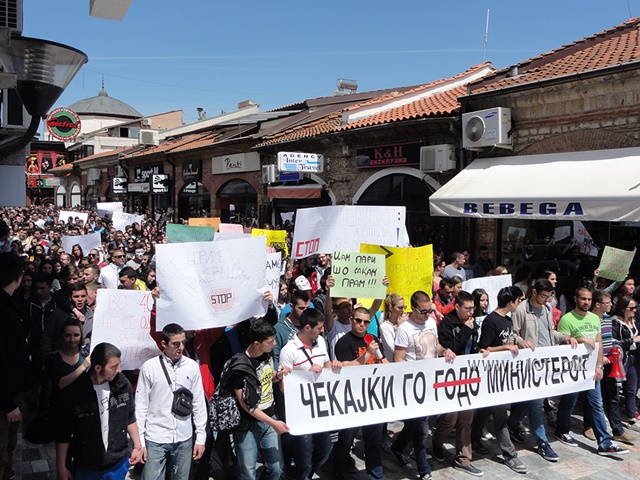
{"x": 61, "y": 194}
{"x": 76, "y": 196}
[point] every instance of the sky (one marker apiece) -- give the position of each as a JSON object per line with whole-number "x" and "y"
{"x": 184, "y": 54}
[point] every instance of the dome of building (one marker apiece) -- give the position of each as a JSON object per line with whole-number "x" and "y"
{"x": 103, "y": 104}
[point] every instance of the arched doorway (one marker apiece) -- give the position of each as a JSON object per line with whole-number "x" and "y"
{"x": 409, "y": 188}
{"x": 76, "y": 196}
{"x": 238, "y": 203}
{"x": 194, "y": 200}
{"x": 91, "y": 196}
{"x": 61, "y": 197}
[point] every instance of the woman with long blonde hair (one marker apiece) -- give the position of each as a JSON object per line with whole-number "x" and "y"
{"x": 394, "y": 315}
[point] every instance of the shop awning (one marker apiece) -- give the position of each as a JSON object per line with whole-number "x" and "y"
{"x": 296, "y": 191}
{"x": 594, "y": 185}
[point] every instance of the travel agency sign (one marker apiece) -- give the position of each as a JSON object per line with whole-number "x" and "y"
{"x": 300, "y": 162}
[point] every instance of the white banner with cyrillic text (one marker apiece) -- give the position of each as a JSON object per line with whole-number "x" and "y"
{"x": 211, "y": 284}
{"x": 122, "y": 319}
{"x": 345, "y": 227}
{"x": 372, "y": 394}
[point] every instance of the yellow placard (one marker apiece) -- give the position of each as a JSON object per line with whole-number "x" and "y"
{"x": 275, "y": 238}
{"x": 408, "y": 269}
{"x": 205, "y": 222}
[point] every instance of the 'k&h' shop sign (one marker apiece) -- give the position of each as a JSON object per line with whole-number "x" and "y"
{"x": 388, "y": 156}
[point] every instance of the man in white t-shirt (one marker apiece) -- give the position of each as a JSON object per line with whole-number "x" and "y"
{"x": 307, "y": 351}
{"x": 417, "y": 339}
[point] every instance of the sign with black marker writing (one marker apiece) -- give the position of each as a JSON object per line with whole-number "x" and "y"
{"x": 358, "y": 275}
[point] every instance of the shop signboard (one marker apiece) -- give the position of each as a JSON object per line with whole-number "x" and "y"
{"x": 138, "y": 187}
{"x": 300, "y": 162}
{"x": 63, "y": 124}
{"x": 160, "y": 183}
{"x": 239, "y": 162}
{"x": 119, "y": 185}
{"x": 143, "y": 173}
{"x": 388, "y": 155}
{"x": 191, "y": 170}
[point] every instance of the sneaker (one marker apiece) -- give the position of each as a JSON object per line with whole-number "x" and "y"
{"x": 401, "y": 458}
{"x": 515, "y": 464}
{"x": 516, "y": 435}
{"x": 546, "y": 452}
{"x": 612, "y": 450}
{"x": 426, "y": 476}
{"x": 479, "y": 447}
{"x": 486, "y": 435}
{"x": 588, "y": 434}
{"x": 438, "y": 453}
{"x": 522, "y": 428}
{"x": 470, "y": 469}
{"x": 567, "y": 439}
{"x": 624, "y": 437}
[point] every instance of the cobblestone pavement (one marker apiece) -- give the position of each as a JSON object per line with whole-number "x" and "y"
{"x": 37, "y": 462}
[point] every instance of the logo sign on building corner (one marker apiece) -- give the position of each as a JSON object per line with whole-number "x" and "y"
{"x": 63, "y": 124}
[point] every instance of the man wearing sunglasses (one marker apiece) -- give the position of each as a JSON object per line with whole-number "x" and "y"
{"x": 110, "y": 275}
{"x": 353, "y": 350}
{"x": 458, "y": 332}
{"x": 167, "y": 436}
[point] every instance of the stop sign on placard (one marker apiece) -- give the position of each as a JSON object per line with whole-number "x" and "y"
{"x": 221, "y": 299}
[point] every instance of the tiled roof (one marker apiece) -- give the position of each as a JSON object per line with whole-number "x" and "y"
{"x": 428, "y": 100}
{"x": 616, "y": 46}
{"x": 67, "y": 167}
{"x": 172, "y": 144}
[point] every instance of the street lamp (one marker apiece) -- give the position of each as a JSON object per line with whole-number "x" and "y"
{"x": 43, "y": 69}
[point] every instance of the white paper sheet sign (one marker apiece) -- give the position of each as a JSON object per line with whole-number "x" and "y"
{"x": 274, "y": 265}
{"x": 491, "y": 285}
{"x": 64, "y": 216}
{"x": 122, "y": 319}
{"x": 345, "y": 227}
{"x": 211, "y": 284}
{"x": 105, "y": 208}
{"x": 582, "y": 239}
{"x": 122, "y": 219}
{"x": 86, "y": 242}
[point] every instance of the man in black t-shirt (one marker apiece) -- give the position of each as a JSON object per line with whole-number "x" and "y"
{"x": 497, "y": 335}
{"x": 352, "y": 350}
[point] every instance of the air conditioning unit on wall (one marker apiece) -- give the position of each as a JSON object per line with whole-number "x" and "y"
{"x": 437, "y": 158}
{"x": 486, "y": 128}
{"x": 148, "y": 137}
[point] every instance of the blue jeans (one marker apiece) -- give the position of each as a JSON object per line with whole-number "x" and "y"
{"x": 310, "y": 453}
{"x": 415, "y": 430}
{"x": 263, "y": 437}
{"x": 179, "y": 455}
{"x": 117, "y": 472}
{"x": 533, "y": 409}
{"x": 594, "y": 398}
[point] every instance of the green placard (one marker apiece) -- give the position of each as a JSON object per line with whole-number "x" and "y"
{"x": 615, "y": 263}
{"x": 358, "y": 275}
{"x": 177, "y": 233}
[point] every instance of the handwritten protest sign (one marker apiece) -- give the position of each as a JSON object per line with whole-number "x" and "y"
{"x": 374, "y": 394}
{"x": 275, "y": 238}
{"x": 205, "y": 222}
{"x": 408, "y": 269}
{"x": 121, "y": 219}
{"x": 231, "y": 228}
{"x": 491, "y": 285}
{"x": 582, "y": 239}
{"x": 358, "y": 275}
{"x": 65, "y": 215}
{"x": 122, "y": 319}
{"x": 86, "y": 242}
{"x": 274, "y": 267}
{"x": 615, "y": 263}
{"x": 105, "y": 208}
{"x": 343, "y": 228}
{"x": 211, "y": 284}
{"x": 177, "y": 233}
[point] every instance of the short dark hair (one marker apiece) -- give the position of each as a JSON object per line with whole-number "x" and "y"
{"x": 599, "y": 296}
{"x": 11, "y": 268}
{"x": 463, "y": 297}
{"x": 298, "y": 296}
{"x": 446, "y": 282}
{"x": 419, "y": 297}
{"x": 128, "y": 272}
{"x": 260, "y": 331}
{"x": 43, "y": 278}
{"x": 506, "y": 295}
{"x": 455, "y": 255}
{"x": 542, "y": 285}
{"x": 76, "y": 287}
{"x": 311, "y": 317}
{"x": 102, "y": 353}
{"x": 170, "y": 330}
{"x": 363, "y": 310}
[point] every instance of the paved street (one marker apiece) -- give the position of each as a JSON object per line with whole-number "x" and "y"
{"x": 36, "y": 462}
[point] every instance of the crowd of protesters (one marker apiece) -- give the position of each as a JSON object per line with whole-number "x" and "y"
{"x": 59, "y": 391}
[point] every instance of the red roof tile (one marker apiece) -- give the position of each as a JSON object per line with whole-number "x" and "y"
{"x": 615, "y": 46}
